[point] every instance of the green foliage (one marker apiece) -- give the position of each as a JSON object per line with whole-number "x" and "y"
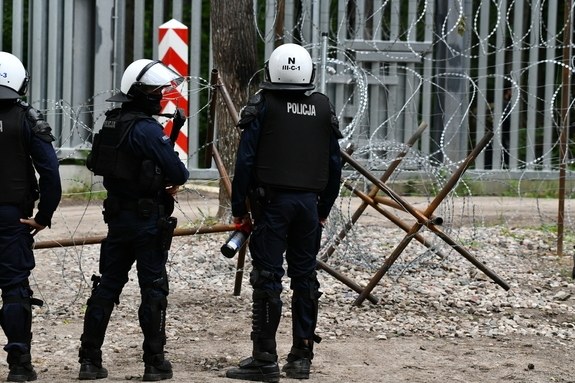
{"x": 84, "y": 193}
{"x": 467, "y": 187}
{"x": 518, "y": 235}
{"x": 470, "y": 187}
{"x": 462, "y": 26}
{"x": 412, "y": 188}
{"x": 344, "y": 192}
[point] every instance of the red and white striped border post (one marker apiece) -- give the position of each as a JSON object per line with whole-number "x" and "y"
{"x": 173, "y": 51}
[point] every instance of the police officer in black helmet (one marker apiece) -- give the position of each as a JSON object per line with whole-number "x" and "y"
{"x": 25, "y": 148}
{"x": 141, "y": 175}
{"x": 289, "y": 167}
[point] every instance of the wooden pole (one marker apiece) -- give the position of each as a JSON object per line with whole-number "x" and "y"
{"x": 68, "y": 242}
{"x": 565, "y": 100}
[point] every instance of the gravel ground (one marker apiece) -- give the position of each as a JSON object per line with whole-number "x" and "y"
{"x": 438, "y": 317}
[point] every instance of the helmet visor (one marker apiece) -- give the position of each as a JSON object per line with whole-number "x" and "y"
{"x": 172, "y": 93}
{"x": 158, "y": 75}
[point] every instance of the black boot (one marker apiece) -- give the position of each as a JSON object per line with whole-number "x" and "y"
{"x": 16, "y": 322}
{"x": 157, "y": 368}
{"x": 91, "y": 365}
{"x": 255, "y": 370}
{"x": 262, "y": 366}
{"x": 96, "y": 322}
{"x": 21, "y": 369}
{"x": 304, "y": 320}
{"x": 298, "y": 363}
{"x": 152, "y": 317}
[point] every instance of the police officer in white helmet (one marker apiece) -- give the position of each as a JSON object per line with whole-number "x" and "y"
{"x": 142, "y": 173}
{"x": 289, "y": 167}
{"x": 25, "y": 149}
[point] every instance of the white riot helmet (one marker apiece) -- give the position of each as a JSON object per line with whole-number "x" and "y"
{"x": 289, "y": 67}
{"x": 13, "y": 77}
{"x": 145, "y": 75}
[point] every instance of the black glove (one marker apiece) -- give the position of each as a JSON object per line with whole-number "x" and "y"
{"x": 179, "y": 119}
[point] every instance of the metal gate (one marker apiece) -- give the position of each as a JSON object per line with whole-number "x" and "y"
{"x": 462, "y": 66}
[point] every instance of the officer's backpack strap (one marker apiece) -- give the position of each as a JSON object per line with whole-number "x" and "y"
{"x": 105, "y": 158}
{"x": 113, "y": 116}
{"x": 131, "y": 118}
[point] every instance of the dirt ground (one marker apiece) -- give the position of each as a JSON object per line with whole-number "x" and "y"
{"x": 358, "y": 358}
{"x": 208, "y": 328}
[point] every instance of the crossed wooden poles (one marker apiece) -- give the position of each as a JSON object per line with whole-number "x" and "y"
{"x": 424, "y": 218}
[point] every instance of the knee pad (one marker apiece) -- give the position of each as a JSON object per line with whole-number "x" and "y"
{"x": 306, "y": 287}
{"x": 160, "y": 284}
{"x": 264, "y": 280}
{"x": 99, "y": 310}
{"x": 20, "y": 293}
{"x": 154, "y": 298}
{"x": 104, "y": 294}
{"x": 16, "y": 314}
{"x": 154, "y": 295}
{"x": 152, "y": 311}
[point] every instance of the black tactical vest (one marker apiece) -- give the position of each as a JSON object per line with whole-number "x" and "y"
{"x": 110, "y": 158}
{"x": 18, "y": 183}
{"x": 293, "y": 150}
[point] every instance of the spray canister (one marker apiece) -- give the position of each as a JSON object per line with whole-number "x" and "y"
{"x": 236, "y": 240}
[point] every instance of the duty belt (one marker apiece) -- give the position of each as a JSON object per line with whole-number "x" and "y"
{"x": 143, "y": 206}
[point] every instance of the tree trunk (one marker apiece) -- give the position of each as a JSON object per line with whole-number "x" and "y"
{"x": 235, "y": 57}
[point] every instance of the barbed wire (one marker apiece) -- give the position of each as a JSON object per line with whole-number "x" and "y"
{"x": 375, "y": 143}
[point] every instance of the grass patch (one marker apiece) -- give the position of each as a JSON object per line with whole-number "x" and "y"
{"x": 470, "y": 187}
{"x": 83, "y": 194}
